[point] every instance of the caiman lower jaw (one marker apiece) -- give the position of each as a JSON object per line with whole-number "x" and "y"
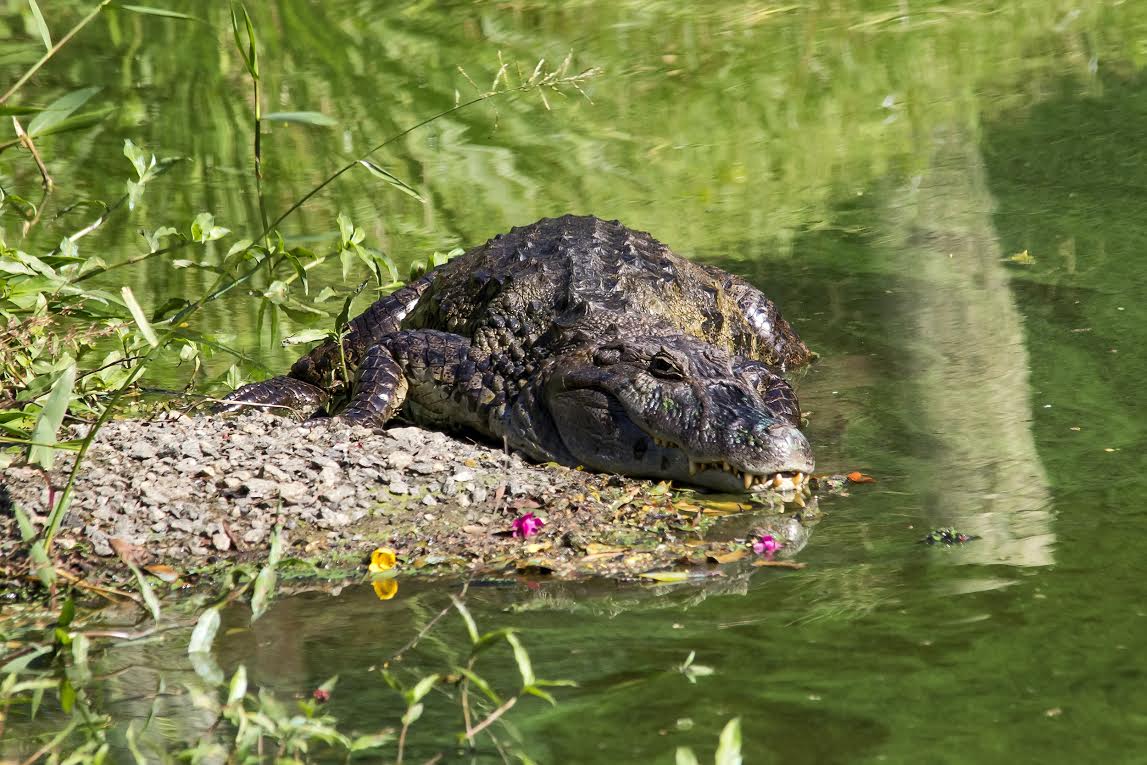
{"x": 784, "y": 481}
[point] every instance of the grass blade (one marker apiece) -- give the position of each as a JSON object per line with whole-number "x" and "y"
{"x": 59, "y": 110}
{"x": 140, "y": 317}
{"x": 147, "y": 11}
{"x": 390, "y": 178}
{"x": 41, "y": 25}
{"x": 50, "y": 418}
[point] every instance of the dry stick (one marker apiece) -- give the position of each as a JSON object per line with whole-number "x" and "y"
{"x": 54, "y": 50}
{"x": 99, "y": 590}
{"x": 26, "y": 140}
{"x": 510, "y": 702}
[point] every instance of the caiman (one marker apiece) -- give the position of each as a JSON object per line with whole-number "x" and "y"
{"x": 578, "y": 341}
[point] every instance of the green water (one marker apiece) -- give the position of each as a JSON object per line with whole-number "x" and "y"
{"x": 873, "y": 166}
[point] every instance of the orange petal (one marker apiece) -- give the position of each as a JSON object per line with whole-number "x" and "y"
{"x": 857, "y": 477}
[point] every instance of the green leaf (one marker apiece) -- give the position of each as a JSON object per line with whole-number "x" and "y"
{"x": 171, "y": 306}
{"x": 67, "y": 613}
{"x": 265, "y": 581}
{"x": 477, "y": 681}
{"x": 41, "y": 25}
{"x": 306, "y": 118}
{"x": 420, "y": 689}
{"x": 67, "y": 695}
{"x": 145, "y": 10}
{"x": 138, "y": 158}
{"x": 204, "y": 633}
{"x": 21, "y": 663}
{"x": 412, "y": 714}
{"x": 203, "y": 229}
{"x": 306, "y": 336}
{"x": 251, "y": 53}
{"x": 57, "y": 111}
{"x": 536, "y": 691}
{"x": 471, "y": 626}
{"x": 145, "y": 590}
{"x": 238, "y": 688}
{"x": 371, "y": 741}
{"x": 524, "y": 667}
{"x": 685, "y": 756}
{"x": 139, "y": 316}
{"x": 50, "y": 418}
{"x": 132, "y": 746}
{"x": 390, "y": 178}
{"x": 729, "y": 747}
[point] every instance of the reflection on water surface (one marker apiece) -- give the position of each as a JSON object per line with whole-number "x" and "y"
{"x": 873, "y": 167}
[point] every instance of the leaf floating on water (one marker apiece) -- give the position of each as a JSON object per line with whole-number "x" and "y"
{"x": 947, "y": 537}
{"x": 162, "y": 572}
{"x": 666, "y": 576}
{"x": 796, "y": 565}
{"x": 1024, "y": 258}
{"x": 857, "y": 477}
{"x": 729, "y": 557}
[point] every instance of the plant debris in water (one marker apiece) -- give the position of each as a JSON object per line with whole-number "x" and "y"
{"x": 947, "y": 536}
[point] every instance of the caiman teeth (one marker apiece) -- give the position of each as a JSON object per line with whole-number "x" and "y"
{"x": 783, "y": 481}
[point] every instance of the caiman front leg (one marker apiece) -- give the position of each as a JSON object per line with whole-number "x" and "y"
{"x": 314, "y": 378}
{"x": 439, "y": 377}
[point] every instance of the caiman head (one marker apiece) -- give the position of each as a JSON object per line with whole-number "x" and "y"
{"x": 674, "y": 408}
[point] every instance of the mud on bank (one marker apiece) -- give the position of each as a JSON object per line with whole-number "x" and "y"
{"x": 198, "y": 492}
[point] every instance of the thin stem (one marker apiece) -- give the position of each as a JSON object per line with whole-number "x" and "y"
{"x": 31, "y": 147}
{"x": 54, "y": 50}
{"x": 509, "y": 703}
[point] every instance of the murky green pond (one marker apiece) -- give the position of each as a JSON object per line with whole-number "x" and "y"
{"x": 946, "y": 198}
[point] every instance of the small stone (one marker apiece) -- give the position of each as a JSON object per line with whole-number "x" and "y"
{"x": 399, "y": 460}
{"x": 191, "y": 448}
{"x": 429, "y": 500}
{"x": 294, "y": 492}
{"x": 221, "y": 541}
{"x": 142, "y": 450}
{"x": 260, "y": 488}
{"x": 463, "y": 475}
{"x": 398, "y": 487}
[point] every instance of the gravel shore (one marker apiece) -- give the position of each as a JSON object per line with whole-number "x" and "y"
{"x": 193, "y": 492}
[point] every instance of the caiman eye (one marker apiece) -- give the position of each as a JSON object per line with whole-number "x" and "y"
{"x": 665, "y": 367}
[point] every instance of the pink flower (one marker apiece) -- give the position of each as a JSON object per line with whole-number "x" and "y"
{"x": 321, "y": 695}
{"x": 527, "y": 525}
{"x": 766, "y": 546}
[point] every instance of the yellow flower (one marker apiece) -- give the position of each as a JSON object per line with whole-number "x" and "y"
{"x": 385, "y": 589}
{"x": 382, "y": 559}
